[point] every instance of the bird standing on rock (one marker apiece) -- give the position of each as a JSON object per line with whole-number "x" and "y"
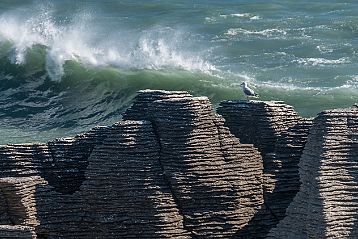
{"x": 248, "y": 91}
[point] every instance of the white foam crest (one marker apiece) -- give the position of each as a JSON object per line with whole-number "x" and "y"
{"x": 24, "y": 35}
{"x": 321, "y": 61}
{"x": 159, "y": 53}
{"x": 249, "y": 16}
{"x": 290, "y": 84}
{"x": 316, "y": 89}
{"x": 324, "y": 49}
{"x": 241, "y": 15}
{"x": 351, "y": 83}
{"x": 266, "y": 33}
{"x": 156, "y": 48}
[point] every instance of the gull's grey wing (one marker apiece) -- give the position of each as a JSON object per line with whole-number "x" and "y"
{"x": 249, "y": 91}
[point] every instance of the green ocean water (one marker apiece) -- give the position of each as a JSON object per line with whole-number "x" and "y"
{"x": 66, "y": 66}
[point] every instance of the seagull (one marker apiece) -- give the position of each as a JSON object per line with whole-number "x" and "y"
{"x": 248, "y": 91}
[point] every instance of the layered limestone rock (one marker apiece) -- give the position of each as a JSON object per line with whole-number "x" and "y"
{"x": 62, "y": 162}
{"x": 281, "y": 166}
{"x": 280, "y": 135}
{"x": 126, "y": 193}
{"x": 216, "y": 180}
{"x": 327, "y": 204}
{"x": 172, "y": 169}
{"x": 178, "y": 173}
{"x": 258, "y": 122}
{"x": 17, "y": 232}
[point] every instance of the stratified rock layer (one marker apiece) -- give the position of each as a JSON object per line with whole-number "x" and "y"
{"x": 173, "y": 172}
{"x": 17, "y": 232}
{"x": 172, "y": 169}
{"x": 327, "y": 204}
{"x": 280, "y": 135}
{"x": 216, "y": 180}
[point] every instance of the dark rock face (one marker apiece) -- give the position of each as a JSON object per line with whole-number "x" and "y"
{"x": 216, "y": 181}
{"x": 172, "y": 169}
{"x": 280, "y": 135}
{"x": 17, "y": 232}
{"x": 174, "y": 172}
{"x": 327, "y": 204}
{"x": 258, "y": 122}
{"x": 61, "y": 162}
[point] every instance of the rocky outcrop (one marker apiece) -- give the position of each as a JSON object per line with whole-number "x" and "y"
{"x": 258, "y": 122}
{"x": 216, "y": 180}
{"x": 280, "y": 134}
{"x": 173, "y": 169}
{"x": 17, "y": 232}
{"x": 173, "y": 172}
{"x": 61, "y": 162}
{"x": 327, "y": 204}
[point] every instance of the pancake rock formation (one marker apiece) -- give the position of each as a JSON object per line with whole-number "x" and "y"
{"x": 173, "y": 168}
{"x": 326, "y": 205}
{"x": 280, "y": 134}
{"x": 170, "y": 169}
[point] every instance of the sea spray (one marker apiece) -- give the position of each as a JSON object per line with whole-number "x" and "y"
{"x": 66, "y": 66}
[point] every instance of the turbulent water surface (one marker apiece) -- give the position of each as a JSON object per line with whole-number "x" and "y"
{"x": 67, "y": 65}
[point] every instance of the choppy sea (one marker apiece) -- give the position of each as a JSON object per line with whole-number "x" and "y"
{"x": 66, "y": 66}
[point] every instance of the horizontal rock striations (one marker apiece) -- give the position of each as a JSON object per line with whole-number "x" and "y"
{"x": 258, "y": 122}
{"x": 142, "y": 102}
{"x": 216, "y": 180}
{"x": 17, "y": 232}
{"x": 62, "y": 162}
{"x": 282, "y": 176}
{"x": 280, "y": 135}
{"x": 172, "y": 169}
{"x": 125, "y": 194}
{"x": 327, "y": 204}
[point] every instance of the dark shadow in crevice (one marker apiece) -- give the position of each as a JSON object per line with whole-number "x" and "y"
{"x": 287, "y": 153}
{"x": 63, "y": 162}
{"x": 200, "y": 201}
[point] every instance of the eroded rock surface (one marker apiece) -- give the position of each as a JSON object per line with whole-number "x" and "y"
{"x": 280, "y": 134}
{"x": 172, "y": 169}
{"x": 327, "y": 204}
{"x": 216, "y": 180}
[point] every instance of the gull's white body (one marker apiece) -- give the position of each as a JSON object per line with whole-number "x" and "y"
{"x": 247, "y": 90}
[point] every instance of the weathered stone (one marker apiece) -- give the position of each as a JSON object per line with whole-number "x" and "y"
{"x": 172, "y": 169}
{"x": 327, "y": 204}
{"x": 17, "y": 232}
{"x": 280, "y": 135}
{"x": 181, "y": 174}
{"x": 216, "y": 180}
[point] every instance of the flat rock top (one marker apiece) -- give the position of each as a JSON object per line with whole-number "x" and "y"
{"x": 161, "y": 92}
{"x": 340, "y": 111}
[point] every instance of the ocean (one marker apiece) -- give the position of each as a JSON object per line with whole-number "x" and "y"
{"x": 66, "y": 66}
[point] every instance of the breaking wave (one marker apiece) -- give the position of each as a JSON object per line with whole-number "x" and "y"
{"x": 77, "y": 40}
{"x": 64, "y": 69}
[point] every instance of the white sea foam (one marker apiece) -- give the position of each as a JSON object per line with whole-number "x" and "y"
{"x": 246, "y": 15}
{"x": 324, "y": 49}
{"x": 241, "y": 15}
{"x": 321, "y": 61}
{"x": 266, "y": 33}
{"x": 351, "y": 83}
{"x": 292, "y": 85}
{"x": 221, "y": 17}
{"x": 155, "y": 48}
